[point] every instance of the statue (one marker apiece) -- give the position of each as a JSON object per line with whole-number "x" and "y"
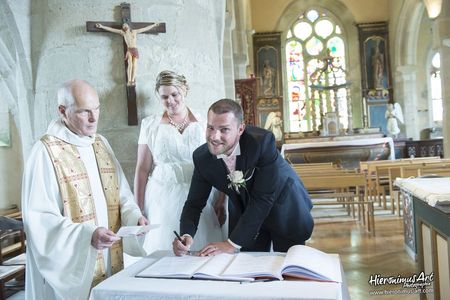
{"x": 393, "y": 113}
{"x": 268, "y": 78}
{"x": 377, "y": 67}
{"x": 274, "y": 123}
{"x": 132, "y": 54}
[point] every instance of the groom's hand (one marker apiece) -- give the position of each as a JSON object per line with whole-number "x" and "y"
{"x": 217, "y": 248}
{"x": 182, "y": 248}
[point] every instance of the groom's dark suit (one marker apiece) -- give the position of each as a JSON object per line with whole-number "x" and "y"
{"x": 274, "y": 205}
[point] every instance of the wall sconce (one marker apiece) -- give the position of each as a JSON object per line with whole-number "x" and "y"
{"x": 433, "y": 8}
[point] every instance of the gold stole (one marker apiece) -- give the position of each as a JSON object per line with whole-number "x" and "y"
{"x": 76, "y": 193}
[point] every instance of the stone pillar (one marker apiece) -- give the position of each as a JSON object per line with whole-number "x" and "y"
{"x": 405, "y": 81}
{"x": 240, "y": 41}
{"x": 441, "y": 40}
{"x": 228, "y": 62}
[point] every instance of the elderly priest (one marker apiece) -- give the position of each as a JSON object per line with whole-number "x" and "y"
{"x": 74, "y": 197}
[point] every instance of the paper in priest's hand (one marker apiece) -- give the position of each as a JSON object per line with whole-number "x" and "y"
{"x": 135, "y": 230}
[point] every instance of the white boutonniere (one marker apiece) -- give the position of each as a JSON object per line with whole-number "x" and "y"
{"x": 237, "y": 180}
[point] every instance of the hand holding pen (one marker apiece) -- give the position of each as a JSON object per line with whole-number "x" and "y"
{"x": 181, "y": 244}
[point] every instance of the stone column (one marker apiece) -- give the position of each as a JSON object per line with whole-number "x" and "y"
{"x": 405, "y": 81}
{"x": 240, "y": 41}
{"x": 441, "y": 39}
{"x": 228, "y": 62}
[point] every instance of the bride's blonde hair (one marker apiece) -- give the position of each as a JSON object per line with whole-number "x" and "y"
{"x": 170, "y": 78}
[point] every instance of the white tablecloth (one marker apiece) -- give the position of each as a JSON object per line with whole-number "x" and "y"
{"x": 358, "y": 142}
{"x": 430, "y": 190}
{"x": 124, "y": 285}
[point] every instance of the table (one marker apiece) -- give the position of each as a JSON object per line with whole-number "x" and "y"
{"x": 426, "y": 203}
{"x": 124, "y": 285}
{"x": 347, "y": 153}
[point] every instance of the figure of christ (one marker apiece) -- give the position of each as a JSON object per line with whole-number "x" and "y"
{"x": 132, "y": 54}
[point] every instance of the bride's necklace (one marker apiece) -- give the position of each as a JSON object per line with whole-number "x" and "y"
{"x": 179, "y": 126}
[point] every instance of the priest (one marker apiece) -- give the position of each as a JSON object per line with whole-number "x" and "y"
{"x": 74, "y": 198}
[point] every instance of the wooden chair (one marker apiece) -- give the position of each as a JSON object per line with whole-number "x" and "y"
{"x": 378, "y": 178}
{"x": 12, "y": 253}
{"x": 346, "y": 188}
{"x": 415, "y": 170}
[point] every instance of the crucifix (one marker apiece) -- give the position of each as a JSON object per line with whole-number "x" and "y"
{"x": 128, "y": 30}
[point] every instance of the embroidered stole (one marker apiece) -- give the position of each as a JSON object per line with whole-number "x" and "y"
{"x": 76, "y": 193}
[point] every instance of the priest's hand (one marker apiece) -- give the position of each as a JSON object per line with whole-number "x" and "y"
{"x": 143, "y": 221}
{"x": 217, "y": 248}
{"x": 103, "y": 238}
{"x": 182, "y": 247}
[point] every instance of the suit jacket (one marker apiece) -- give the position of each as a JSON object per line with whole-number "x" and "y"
{"x": 274, "y": 196}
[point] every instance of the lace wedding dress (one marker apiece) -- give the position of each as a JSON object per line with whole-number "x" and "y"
{"x": 168, "y": 185}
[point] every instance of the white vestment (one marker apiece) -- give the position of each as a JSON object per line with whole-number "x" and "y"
{"x": 60, "y": 257}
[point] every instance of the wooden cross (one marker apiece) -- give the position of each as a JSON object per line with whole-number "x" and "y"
{"x": 126, "y": 18}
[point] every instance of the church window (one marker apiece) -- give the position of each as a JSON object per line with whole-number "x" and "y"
{"x": 314, "y": 35}
{"x": 435, "y": 88}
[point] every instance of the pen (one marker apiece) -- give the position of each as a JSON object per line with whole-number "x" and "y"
{"x": 178, "y": 236}
{"x": 181, "y": 241}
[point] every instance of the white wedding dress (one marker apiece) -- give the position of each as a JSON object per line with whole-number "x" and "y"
{"x": 168, "y": 184}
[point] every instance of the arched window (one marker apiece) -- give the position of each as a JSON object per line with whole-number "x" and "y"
{"x": 310, "y": 39}
{"x": 435, "y": 88}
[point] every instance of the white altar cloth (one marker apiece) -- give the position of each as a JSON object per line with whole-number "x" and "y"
{"x": 357, "y": 142}
{"x": 124, "y": 285}
{"x": 431, "y": 190}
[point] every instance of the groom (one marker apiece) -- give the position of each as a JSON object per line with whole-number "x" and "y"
{"x": 267, "y": 201}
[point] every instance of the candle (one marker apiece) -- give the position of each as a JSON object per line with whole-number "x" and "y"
{"x": 365, "y": 117}
{"x": 364, "y": 107}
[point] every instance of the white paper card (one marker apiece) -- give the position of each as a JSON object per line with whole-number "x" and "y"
{"x": 136, "y": 230}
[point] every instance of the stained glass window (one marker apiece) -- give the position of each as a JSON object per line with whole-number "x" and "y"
{"x": 314, "y": 35}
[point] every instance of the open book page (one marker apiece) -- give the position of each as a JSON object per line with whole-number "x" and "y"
{"x": 309, "y": 263}
{"x": 246, "y": 265}
{"x": 174, "y": 267}
{"x": 215, "y": 267}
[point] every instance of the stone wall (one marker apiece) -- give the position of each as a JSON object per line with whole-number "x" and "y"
{"x": 62, "y": 50}
{"x": 46, "y": 43}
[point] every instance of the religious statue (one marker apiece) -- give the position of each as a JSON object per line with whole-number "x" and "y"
{"x": 393, "y": 113}
{"x": 132, "y": 54}
{"x": 377, "y": 67}
{"x": 274, "y": 123}
{"x": 268, "y": 78}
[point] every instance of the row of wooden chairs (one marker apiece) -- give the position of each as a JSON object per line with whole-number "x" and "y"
{"x": 372, "y": 182}
{"x": 428, "y": 169}
{"x": 380, "y": 175}
{"x": 328, "y": 180}
{"x": 12, "y": 251}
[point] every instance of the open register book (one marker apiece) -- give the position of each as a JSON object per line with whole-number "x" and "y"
{"x": 300, "y": 262}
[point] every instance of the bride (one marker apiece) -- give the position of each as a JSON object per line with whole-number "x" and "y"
{"x": 164, "y": 166}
